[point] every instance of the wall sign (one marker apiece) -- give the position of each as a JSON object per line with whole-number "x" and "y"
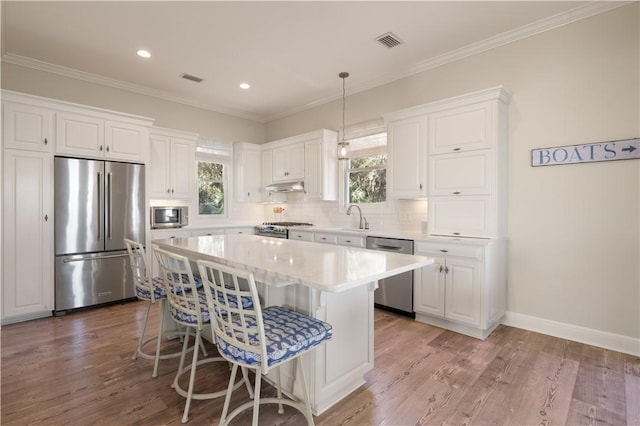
{"x": 626, "y": 149}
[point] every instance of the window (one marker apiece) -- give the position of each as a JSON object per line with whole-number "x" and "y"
{"x": 210, "y": 188}
{"x": 366, "y": 170}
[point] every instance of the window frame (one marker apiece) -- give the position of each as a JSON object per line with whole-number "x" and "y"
{"x": 216, "y": 159}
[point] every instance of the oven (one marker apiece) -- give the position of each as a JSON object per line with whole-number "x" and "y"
{"x": 278, "y": 229}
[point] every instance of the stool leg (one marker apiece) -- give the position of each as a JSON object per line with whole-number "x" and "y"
{"x": 305, "y": 392}
{"x": 192, "y": 377}
{"x": 185, "y": 345}
{"x": 227, "y": 398}
{"x": 159, "y": 337}
{"x": 144, "y": 328}
{"x": 279, "y": 383}
{"x": 247, "y": 382}
{"x": 256, "y": 397}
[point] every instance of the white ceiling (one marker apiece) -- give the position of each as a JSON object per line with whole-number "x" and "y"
{"x": 290, "y": 52}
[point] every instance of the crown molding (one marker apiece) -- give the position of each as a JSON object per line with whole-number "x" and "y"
{"x": 529, "y": 30}
{"x": 104, "y": 81}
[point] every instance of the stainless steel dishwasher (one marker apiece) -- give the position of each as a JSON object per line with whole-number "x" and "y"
{"x": 394, "y": 293}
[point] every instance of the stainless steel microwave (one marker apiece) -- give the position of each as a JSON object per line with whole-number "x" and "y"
{"x": 163, "y": 217}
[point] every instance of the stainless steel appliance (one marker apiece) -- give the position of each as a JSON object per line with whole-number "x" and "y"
{"x": 394, "y": 293}
{"x": 169, "y": 217}
{"x": 97, "y": 204}
{"x": 278, "y": 229}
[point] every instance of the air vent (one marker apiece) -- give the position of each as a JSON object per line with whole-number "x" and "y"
{"x": 191, "y": 77}
{"x": 389, "y": 40}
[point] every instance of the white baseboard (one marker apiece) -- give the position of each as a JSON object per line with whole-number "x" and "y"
{"x": 576, "y": 333}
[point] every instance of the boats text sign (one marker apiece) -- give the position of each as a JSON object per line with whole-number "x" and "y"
{"x": 626, "y": 149}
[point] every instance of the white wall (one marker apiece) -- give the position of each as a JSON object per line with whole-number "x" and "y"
{"x": 574, "y": 231}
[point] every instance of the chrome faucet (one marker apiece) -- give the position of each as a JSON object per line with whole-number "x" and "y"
{"x": 363, "y": 220}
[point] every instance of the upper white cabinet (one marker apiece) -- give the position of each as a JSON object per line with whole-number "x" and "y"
{"x": 406, "y": 144}
{"x": 172, "y": 164}
{"x": 247, "y": 160}
{"x": 463, "y": 128}
{"x": 309, "y": 157}
{"x": 88, "y": 135}
{"x": 458, "y": 145}
{"x": 288, "y": 163}
{"x": 27, "y": 127}
{"x": 267, "y": 177}
{"x": 28, "y": 272}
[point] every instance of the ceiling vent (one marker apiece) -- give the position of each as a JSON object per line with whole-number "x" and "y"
{"x": 389, "y": 40}
{"x": 191, "y": 77}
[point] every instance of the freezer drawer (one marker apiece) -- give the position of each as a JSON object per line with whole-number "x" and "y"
{"x": 91, "y": 279}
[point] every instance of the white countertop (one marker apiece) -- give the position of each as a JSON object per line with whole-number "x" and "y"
{"x": 276, "y": 261}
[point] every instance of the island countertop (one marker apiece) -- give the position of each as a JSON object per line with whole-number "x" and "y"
{"x": 274, "y": 261}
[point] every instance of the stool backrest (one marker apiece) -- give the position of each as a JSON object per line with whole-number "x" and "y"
{"x": 180, "y": 285}
{"x": 237, "y": 324}
{"x": 138, "y": 262}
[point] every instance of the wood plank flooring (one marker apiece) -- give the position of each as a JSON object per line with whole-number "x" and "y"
{"x": 77, "y": 370}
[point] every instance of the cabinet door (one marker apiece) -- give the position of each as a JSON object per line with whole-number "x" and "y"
{"x": 313, "y": 170}
{"x": 465, "y": 173}
{"x": 407, "y": 158}
{"x": 79, "y": 135}
{"x": 27, "y": 127}
{"x": 267, "y": 179}
{"x": 280, "y": 164}
{"x": 124, "y": 141}
{"x": 182, "y": 168}
{"x": 288, "y": 163}
{"x": 351, "y": 241}
{"x": 462, "y": 129}
{"x": 28, "y": 239}
{"x": 159, "y": 166}
{"x": 296, "y": 162}
{"x": 462, "y": 291}
{"x": 247, "y": 173}
{"x": 428, "y": 288}
{"x": 468, "y": 216}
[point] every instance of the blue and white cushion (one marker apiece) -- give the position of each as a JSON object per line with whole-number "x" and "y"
{"x": 287, "y": 334}
{"x": 158, "y": 289}
{"x": 189, "y": 304}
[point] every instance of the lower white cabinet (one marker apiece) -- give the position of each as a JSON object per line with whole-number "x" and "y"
{"x": 28, "y": 286}
{"x": 468, "y": 216}
{"x": 464, "y": 290}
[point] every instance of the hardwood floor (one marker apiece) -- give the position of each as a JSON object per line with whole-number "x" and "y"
{"x": 77, "y": 370}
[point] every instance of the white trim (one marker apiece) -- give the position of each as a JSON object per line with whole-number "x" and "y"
{"x": 576, "y": 333}
{"x": 25, "y": 317}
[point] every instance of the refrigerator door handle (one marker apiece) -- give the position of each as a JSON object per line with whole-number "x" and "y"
{"x": 100, "y": 207}
{"x": 110, "y": 204}
{"x": 82, "y": 259}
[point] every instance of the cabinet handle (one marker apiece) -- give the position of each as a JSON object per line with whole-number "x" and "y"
{"x": 323, "y": 238}
{"x": 100, "y": 148}
{"x": 440, "y": 270}
{"x": 446, "y": 269}
{"x": 421, "y": 186}
{"x": 172, "y": 190}
{"x": 168, "y": 191}
{"x": 46, "y": 141}
{"x": 456, "y": 149}
{"x": 444, "y": 251}
{"x": 46, "y": 217}
{"x": 456, "y": 193}
{"x": 347, "y": 241}
{"x": 299, "y": 236}
{"x": 107, "y": 149}
{"x": 456, "y": 233}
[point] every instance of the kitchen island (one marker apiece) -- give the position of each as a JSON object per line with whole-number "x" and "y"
{"x": 331, "y": 283}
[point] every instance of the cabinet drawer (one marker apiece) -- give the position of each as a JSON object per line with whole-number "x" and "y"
{"x": 351, "y": 241}
{"x": 461, "y": 216}
{"x": 433, "y": 248}
{"x": 465, "y": 173}
{"x": 301, "y": 235}
{"x": 325, "y": 238}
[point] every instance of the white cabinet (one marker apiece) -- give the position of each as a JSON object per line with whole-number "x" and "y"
{"x": 407, "y": 157}
{"x": 172, "y": 167}
{"x": 466, "y": 216}
{"x": 321, "y": 166}
{"x": 27, "y": 127}
{"x": 301, "y": 235}
{"x": 267, "y": 177}
{"x": 28, "y": 275}
{"x": 463, "y": 128}
{"x": 325, "y": 238}
{"x": 465, "y": 173}
{"x": 465, "y": 288}
{"x": 351, "y": 241}
{"x": 247, "y": 161}
{"x": 87, "y": 135}
{"x": 288, "y": 163}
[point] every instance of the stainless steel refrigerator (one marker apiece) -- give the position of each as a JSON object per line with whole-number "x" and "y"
{"x": 97, "y": 204}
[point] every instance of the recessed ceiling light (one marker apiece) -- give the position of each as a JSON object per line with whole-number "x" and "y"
{"x": 244, "y": 86}
{"x": 143, "y": 53}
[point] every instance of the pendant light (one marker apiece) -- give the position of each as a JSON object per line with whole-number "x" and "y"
{"x": 343, "y": 145}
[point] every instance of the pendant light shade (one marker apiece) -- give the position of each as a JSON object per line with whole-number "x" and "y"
{"x": 343, "y": 145}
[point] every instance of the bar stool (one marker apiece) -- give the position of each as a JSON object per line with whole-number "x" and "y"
{"x": 257, "y": 339}
{"x": 150, "y": 290}
{"x": 188, "y": 306}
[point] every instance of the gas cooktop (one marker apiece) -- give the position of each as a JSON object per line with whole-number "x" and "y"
{"x": 278, "y": 229}
{"x": 287, "y": 224}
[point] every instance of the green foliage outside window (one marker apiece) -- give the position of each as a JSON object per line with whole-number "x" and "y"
{"x": 367, "y": 179}
{"x": 210, "y": 188}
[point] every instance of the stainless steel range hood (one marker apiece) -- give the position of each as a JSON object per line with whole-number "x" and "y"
{"x": 297, "y": 186}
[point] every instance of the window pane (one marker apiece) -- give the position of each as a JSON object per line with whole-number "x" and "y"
{"x": 368, "y": 186}
{"x": 210, "y": 188}
{"x": 369, "y": 161}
